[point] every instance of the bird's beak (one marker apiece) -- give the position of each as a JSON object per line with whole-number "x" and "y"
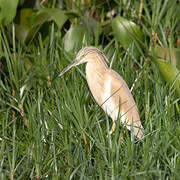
{"x": 73, "y": 63}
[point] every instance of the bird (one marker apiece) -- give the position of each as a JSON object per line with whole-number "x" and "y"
{"x": 109, "y": 90}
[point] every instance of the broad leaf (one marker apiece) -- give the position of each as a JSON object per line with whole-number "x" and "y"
{"x": 172, "y": 55}
{"x": 7, "y": 11}
{"x": 75, "y": 37}
{"x": 31, "y": 22}
{"x": 128, "y": 34}
{"x": 56, "y": 15}
{"x": 170, "y": 74}
{"x": 92, "y": 25}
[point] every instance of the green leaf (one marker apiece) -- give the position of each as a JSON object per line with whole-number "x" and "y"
{"x": 170, "y": 74}
{"x": 93, "y": 27}
{"x": 7, "y": 11}
{"x": 56, "y": 15}
{"x": 21, "y": 33}
{"x": 37, "y": 22}
{"x": 75, "y": 37}
{"x": 31, "y": 22}
{"x": 25, "y": 16}
{"x": 127, "y": 33}
{"x": 172, "y": 55}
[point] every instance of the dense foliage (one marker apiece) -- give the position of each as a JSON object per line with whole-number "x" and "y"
{"x": 52, "y": 128}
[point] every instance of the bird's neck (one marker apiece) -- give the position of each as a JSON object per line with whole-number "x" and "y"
{"x": 96, "y": 69}
{"x": 96, "y": 64}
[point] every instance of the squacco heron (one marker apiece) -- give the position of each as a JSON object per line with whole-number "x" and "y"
{"x": 109, "y": 90}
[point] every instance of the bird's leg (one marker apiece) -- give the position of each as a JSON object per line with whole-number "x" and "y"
{"x": 113, "y": 128}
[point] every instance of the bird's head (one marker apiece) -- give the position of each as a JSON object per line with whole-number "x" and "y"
{"x": 83, "y": 56}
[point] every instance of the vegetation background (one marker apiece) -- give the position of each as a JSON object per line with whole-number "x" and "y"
{"x": 52, "y": 128}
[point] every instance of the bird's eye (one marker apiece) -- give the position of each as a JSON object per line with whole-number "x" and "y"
{"x": 83, "y": 55}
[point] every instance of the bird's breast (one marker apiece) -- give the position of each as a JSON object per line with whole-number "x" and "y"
{"x": 100, "y": 84}
{"x": 108, "y": 104}
{"x": 95, "y": 85}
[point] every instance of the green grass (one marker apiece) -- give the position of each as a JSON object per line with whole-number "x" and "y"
{"x": 41, "y": 131}
{"x": 58, "y": 115}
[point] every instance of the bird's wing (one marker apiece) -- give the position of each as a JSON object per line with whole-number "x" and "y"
{"x": 124, "y": 101}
